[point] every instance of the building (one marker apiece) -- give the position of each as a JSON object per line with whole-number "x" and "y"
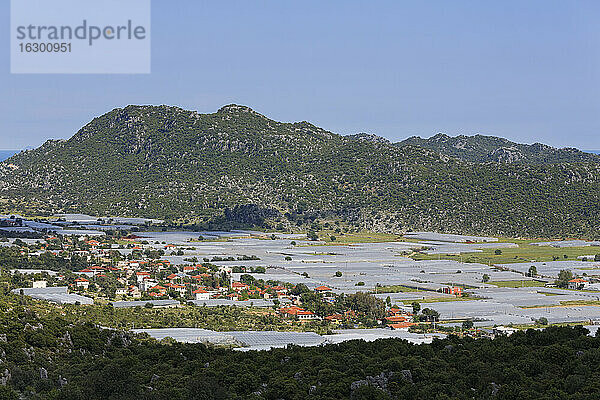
{"x": 147, "y": 283}
{"x": 181, "y": 289}
{"x": 304, "y": 315}
{"x": 39, "y": 284}
{"x": 239, "y": 286}
{"x": 455, "y": 290}
{"x": 134, "y": 292}
{"x": 577, "y": 283}
{"x": 82, "y": 283}
{"x": 201, "y": 294}
{"x": 142, "y": 275}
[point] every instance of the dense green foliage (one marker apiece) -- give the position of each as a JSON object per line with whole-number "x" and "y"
{"x": 236, "y": 165}
{"x": 481, "y": 148}
{"x": 44, "y": 356}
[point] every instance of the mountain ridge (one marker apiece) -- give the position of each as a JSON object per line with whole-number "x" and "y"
{"x": 167, "y": 162}
{"x": 483, "y": 148}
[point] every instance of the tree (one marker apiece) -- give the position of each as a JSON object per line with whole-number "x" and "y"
{"x": 299, "y": 289}
{"x": 431, "y": 314}
{"x": 332, "y": 238}
{"x": 564, "y": 276}
{"x": 416, "y": 306}
{"x": 543, "y": 321}
{"x": 247, "y": 279}
{"x": 485, "y": 278}
{"x": 468, "y": 324}
{"x": 364, "y": 303}
{"x": 312, "y": 235}
{"x": 498, "y": 252}
{"x": 338, "y": 273}
{"x": 532, "y": 271}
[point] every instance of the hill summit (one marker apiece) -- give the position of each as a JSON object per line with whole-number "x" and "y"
{"x": 237, "y": 167}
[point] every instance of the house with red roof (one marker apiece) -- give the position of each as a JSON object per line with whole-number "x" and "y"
{"x": 334, "y": 318}
{"x": 403, "y": 326}
{"x": 181, "y": 289}
{"x": 201, "y": 294}
{"x": 298, "y": 312}
{"x": 134, "y": 292}
{"x": 324, "y": 290}
{"x": 239, "y": 286}
{"x": 158, "y": 289}
{"x": 577, "y": 283}
{"x": 82, "y": 283}
{"x": 306, "y": 315}
{"x": 233, "y": 296}
{"x": 455, "y": 290}
{"x": 141, "y": 275}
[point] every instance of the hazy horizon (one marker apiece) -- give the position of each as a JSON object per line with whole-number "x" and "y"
{"x": 527, "y": 72}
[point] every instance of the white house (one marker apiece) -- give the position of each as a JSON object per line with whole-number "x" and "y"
{"x": 201, "y": 294}
{"x": 577, "y": 283}
{"x": 82, "y": 282}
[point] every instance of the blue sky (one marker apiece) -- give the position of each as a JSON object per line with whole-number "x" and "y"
{"x": 524, "y": 70}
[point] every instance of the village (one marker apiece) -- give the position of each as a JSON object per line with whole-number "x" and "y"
{"x": 415, "y": 283}
{"x": 143, "y": 278}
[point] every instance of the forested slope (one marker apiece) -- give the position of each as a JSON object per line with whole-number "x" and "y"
{"x": 45, "y": 357}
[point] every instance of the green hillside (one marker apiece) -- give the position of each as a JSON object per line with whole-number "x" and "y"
{"x": 166, "y": 162}
{"x": 480, "y": 148}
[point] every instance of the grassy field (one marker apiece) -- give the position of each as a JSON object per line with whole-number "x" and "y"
{"x": 570, "y": 303}
{"x": 524, "y": 253}
{"x": 439, "y": 300}
{"x": 395, "y": 289}
{"x": 357, "y": 237}
{"x": 516, "y": 284}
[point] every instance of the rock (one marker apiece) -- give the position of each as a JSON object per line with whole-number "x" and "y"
{"x": 62, "y": 381}
{"x": 66, "y": 339}
{"x": 154, "y": 378}
{"x": 284, "y": 360}
{"x": 33, "y": 327}
{"x": 580, "y": 353}
{"x": 495, "y": 388}
{"x": 356, "y": 384}
{"x": 378, "y": 381}
{"x": 312, "y": 389}
{"x": 3, "y": 338}
{"x": 29, "y": 353}
{"x": 5, "y": 377}
{"x": 407, "y": 375}
{"x": 298, "y": 376}
{"x": 43, "y": 373}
